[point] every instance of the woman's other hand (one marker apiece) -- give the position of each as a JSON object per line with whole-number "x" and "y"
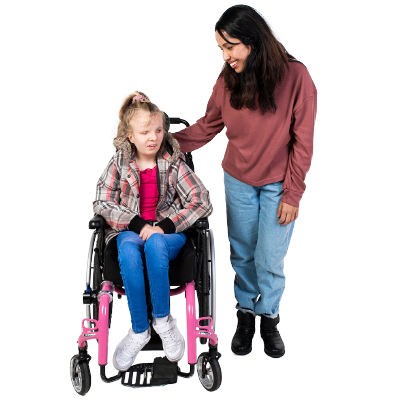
{"x": 287, "y": 213}
{"x": 148, "y": 230}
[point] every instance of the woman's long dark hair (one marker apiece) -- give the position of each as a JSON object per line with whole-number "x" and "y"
{"x": 265, "y": 66}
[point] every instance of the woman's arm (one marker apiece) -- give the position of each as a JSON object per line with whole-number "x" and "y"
{"x": 206, "y": 128}
{"x": 302, "y": 130}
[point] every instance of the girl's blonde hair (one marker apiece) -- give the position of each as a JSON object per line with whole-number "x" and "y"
{"x": 140, "y": 103}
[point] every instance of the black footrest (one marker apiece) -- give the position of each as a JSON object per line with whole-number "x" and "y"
{"x": 161, "y": 372}
{"x": 133, "y": 376}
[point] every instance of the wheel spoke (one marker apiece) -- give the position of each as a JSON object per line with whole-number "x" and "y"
{"x": 206, "y": 377}
{"x": 209, "y": 371}
{"x": 80, "y": 375}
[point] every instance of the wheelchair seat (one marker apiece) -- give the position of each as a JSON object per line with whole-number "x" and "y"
{"x": 181, "y": 270}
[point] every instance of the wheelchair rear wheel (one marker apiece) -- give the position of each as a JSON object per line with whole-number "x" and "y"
{"x": 209, "y": 372}
{"x": 80, "y": 375}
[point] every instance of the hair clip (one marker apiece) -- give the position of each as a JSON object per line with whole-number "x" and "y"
{"x": 140, "y": 97}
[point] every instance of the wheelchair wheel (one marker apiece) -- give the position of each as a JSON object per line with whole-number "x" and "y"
{"x": 80, "y": 375}
{"x": 209, "y": 372}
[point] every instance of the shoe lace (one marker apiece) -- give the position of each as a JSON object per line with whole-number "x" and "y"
{"x": 130, "y": 347}
{"x": 169, "y": 339}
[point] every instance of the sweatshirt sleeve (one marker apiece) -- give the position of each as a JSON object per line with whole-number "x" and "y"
{"x": 207, "y": 127}
{"x": 302, "y": 131}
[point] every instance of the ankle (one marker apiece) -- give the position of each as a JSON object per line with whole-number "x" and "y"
{"x": 267, "y": 322}
{"x": 141, "y": 336}
{"x": 160, "y": 321}
{"x": 247, "y": 319}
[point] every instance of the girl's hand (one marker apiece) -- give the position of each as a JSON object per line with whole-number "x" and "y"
{"x": 148, "y": 230}
{"x": 287, "y": 213}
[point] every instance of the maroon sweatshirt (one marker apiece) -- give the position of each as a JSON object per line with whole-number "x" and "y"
{"x": 267, "y": 148}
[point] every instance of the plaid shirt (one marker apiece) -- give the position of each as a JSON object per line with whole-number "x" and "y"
{"x": 182, "y": 196}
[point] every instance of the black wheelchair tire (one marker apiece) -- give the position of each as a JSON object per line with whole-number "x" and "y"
{"x": 216, "y": 376}
{"x": 81, "y": 383}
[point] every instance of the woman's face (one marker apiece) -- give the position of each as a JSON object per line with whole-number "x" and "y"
{"x": 234, "y": 54}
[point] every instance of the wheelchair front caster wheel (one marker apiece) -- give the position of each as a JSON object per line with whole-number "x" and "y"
{"x": 80, "y": 375}
{"x": 209, "y": 372}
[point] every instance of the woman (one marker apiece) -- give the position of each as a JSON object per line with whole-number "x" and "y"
{"x": 267, "y": 101}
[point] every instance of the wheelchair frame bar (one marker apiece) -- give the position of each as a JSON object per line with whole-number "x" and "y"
{"x": 89, "y": 274}
{"x": 194, "y": 329}
{"x": 99, "y": 330}
{"x": 213, "y": 279}
{"x": 89, "y": 262}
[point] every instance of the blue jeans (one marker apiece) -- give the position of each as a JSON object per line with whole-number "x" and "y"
{"x": 156, "y": 253}
{"x": 258, "y": 245}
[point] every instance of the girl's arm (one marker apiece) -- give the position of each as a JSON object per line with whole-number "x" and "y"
{"x": 206, "y": 128}
{"x": 193, "y": 201}
{"x": 107, "y": 203}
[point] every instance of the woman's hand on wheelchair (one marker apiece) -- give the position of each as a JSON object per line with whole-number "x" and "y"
{"x": 287, "y": 213}
{"x": 148, "y": 230}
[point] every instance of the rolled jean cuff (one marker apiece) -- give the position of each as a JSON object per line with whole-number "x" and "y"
{"x": 272, "y": 316}
{"x": 140, "y": 330}
{"x": 162, "y": 315}
{"x": 245, "y": 310}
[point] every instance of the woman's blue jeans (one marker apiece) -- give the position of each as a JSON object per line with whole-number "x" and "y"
{"x": 258, "y": 245}
{"x": 155, "y": 253}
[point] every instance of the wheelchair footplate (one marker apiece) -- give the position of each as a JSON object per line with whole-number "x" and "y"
{"x": 160, "y": 372}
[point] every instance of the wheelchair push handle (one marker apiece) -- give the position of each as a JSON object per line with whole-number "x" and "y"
{"x": 176, "y": 121}
{"x": 179, "y": 121}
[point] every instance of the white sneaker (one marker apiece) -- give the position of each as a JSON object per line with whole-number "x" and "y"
{"x": 128, "y": 348}
{"x": 172, "y": 340}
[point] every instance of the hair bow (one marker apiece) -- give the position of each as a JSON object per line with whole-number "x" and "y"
{"x": 140, "y": 97}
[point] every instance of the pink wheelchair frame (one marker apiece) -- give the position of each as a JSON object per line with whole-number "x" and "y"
{"x": 209, "y": 371}
{"x": 100, "y": 329}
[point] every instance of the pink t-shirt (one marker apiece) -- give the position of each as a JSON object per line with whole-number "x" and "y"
{"x": 148, "y": 194}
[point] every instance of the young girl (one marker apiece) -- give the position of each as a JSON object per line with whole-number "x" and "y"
{"x": 149, "y": 196}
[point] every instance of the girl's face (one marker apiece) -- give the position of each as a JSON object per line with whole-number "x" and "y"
{"x": 236, "y": 55}
{"x": 146, "y": 134}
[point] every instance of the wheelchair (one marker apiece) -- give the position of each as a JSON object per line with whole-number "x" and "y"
{"x": 192, "y": 272}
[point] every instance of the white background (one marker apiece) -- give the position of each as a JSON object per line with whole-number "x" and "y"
{"x": 66, "y": 68}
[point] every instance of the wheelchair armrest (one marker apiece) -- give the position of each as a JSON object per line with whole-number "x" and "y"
{"x": 201, "y": 223}
{"x": 97, "y": 222}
